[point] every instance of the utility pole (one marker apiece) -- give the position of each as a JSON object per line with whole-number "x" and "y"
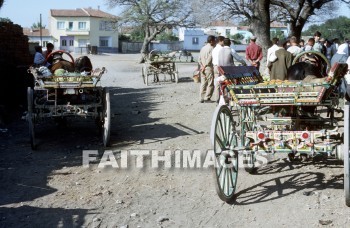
{"x": 41, "y": 33}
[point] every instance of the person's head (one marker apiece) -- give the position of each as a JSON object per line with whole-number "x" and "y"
{"x": 282, "y": 43}
{"x": 327, "y": 43}
{"x": 211, "y": 40}
{"x": 293, "y": 41}
{"x": 227, "y": 42}
{"x": 38, "y": 49}
{"x": 301, "y": 43}
{"x": 311, "y": 42}
{"x": 220, "y": 40}
{"x": 317, "y": 36}
{"x": 49, "y": 47}
{"x": 253, "y": 39}
{"x": 274, "y": 40}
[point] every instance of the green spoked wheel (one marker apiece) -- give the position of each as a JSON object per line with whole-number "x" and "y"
{"x": 224, "y": 140}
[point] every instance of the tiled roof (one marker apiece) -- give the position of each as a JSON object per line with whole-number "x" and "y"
{"x": 81, "y": 12}
{"x": 35, "y": 32}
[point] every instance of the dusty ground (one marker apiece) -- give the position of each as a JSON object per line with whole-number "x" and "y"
{"x": 49, "y": 187}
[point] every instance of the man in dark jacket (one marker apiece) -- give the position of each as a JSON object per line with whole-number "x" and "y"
{"x": 280, "y": 61}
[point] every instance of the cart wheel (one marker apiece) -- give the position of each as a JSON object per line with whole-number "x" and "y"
{"x": 346, "y": 154}
{"x": 347, "y": 177}
{"x": 106, "y": 117}
{"x": 224, "y": 140}
{"x": 30, "y": 117}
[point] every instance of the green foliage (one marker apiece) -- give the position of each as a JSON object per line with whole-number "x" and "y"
{"x": 5, "y": 19}
{"x": 137, "y": 35}
{"x": 37, "y": 25}
{"x": 333, "y": 28}
{"x": 123, "y": 37}
{"x": 167, "y": 36}
{"x": 279, "y": 34}
{"x": 237, "y": 37}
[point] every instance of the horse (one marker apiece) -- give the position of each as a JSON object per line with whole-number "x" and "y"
{"x": 83, "y": 63}
{"x": 309, "y": 64}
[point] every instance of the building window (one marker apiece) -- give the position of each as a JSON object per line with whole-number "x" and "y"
{"x": 64, "y": 43}
{"x": 107, "y": 25}
{"x": 105, "y": 41}
{"x": 70, "y": 25}
{"x": 71, "y": 42}
{"x": 82, "y": 25}
{"x": 60, "y": 25}
{"x": 195, "y": 40}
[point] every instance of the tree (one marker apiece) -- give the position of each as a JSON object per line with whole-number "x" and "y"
{"x": 38, "y": 25}
{"x": 333, "y": 28}
{"x": 1, "y": 3}
{"x": 297, "y": 12}
{"x": 154, "y": 16}
{"x": 255, "y": 12}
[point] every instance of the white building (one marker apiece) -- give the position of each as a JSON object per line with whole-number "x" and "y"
{"x": 74, "y": 30}
{"x": 35, "y": 36}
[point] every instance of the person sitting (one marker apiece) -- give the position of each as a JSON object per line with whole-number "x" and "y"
{"x": 39, "y": 58}
{"x": 49, "y": 49}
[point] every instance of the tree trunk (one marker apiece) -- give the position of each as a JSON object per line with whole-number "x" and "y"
{"x": 144, "y": 50}
{"x": 295, "y": 30}
{"x": 260, "y": 24}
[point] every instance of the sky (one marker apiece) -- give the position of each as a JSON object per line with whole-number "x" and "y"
{"x": 27, "y": 12}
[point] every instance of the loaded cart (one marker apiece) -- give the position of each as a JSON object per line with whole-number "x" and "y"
{"x": 156, "y": 64}
{"x": 293, "y": 117}
{"x": 64, "y": 94}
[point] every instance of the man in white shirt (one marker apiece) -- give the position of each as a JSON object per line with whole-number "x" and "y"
{"x": 215, "y": 54}
{"x": 294, "y": 49}
{"x": 272, "y": 49}
{"x": 236, "y": 56}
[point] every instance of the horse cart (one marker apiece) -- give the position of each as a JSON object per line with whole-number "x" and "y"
{"x": 156, "y": 64}
{"x": 257, "y": 118}
{"x": 60, "y": 94}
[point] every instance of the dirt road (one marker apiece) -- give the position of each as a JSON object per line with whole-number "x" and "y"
{"x": 49, "y": 187}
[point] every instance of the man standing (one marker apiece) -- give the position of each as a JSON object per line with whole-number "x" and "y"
{"x": 253, "y": 53}
{"x": 280, "y": 62}
{"x": 219, "y": 45}
{"x": 294, "y": 49}
{"x": 205, "y": 61}
{"x": 317, "y": 46}
{"x": 271, "y": 51}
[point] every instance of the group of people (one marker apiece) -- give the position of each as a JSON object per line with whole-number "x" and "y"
{"x": 40, "y": 57}
{"x": 216, "y": 52}
{"x": 282, "y": 52}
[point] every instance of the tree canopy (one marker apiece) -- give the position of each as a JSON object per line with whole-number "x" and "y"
{"x": 37, "y": 25}
{"x": 154, "y": 16}
{"x": 333, "y": 28}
